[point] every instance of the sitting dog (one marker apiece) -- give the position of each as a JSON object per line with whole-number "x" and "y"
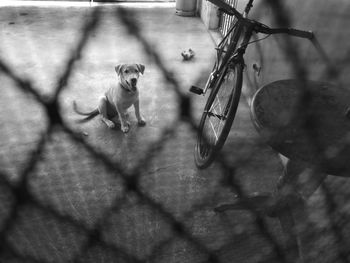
{"x": 119, "y": 98}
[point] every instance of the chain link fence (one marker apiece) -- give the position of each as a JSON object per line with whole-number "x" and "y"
{"x": 64, "y": 198}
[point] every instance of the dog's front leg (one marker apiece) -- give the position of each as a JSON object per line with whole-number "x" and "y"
{"x": 139, "y": 118}
{"x": 125, "y": 125}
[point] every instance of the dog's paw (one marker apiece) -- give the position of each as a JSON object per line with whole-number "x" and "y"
{"x": 125, "y": 128}
{"x": 141, "y": 122}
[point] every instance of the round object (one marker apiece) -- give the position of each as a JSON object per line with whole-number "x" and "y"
{"x": 306, "y": 121}
{"x": 218, "y": 115}
{"x": 186, "y": 7}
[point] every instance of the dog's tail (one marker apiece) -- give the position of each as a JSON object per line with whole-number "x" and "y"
{"x": 90, "y": 115}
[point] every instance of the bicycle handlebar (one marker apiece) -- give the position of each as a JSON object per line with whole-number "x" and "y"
{"x": 290, "y": 31}
{"x": 260, "y": 28}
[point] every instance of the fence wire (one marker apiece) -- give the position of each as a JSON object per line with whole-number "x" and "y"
{"x": 126, "y": 223}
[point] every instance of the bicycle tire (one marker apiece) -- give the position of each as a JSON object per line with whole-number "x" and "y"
{"x": 205, "y": 149}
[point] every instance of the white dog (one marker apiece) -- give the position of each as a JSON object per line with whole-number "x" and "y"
{"x": 119, "y": 98}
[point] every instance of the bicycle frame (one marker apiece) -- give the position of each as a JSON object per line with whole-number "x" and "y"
{"x": 230, "y": 56}
{"x": 243, "y": 30}
{"x": 241, "y": 26}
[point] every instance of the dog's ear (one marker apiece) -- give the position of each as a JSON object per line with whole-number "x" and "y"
{"x": 118, "y": 69}
{"x": 141, "y": 68}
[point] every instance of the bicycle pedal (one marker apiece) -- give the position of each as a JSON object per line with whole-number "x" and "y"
{"x": 196, "y": 90}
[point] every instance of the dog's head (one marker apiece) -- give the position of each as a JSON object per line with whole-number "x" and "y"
{"x": 129, "y": 74}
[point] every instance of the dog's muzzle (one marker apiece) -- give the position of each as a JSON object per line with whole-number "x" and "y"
{"x": 133, "y": 84}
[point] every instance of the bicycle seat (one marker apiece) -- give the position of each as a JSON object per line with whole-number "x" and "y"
{"x": 308, "y": 122}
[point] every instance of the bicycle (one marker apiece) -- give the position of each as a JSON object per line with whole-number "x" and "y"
{"x": 305, "y": 166}
{"x": 225, "y": 80}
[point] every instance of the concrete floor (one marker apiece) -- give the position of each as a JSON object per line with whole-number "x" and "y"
{"x": 36, "y": 43}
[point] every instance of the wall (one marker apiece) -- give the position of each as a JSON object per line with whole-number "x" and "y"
{"x": 209, "y": 14}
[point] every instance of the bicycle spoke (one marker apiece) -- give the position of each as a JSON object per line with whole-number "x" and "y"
{"x": 216, "y": 104}
{"x": 213, "y": 128}
{"x": 211, "y": 114}
{"x": 217, "y": 117}
{"x": 218, "y": 112}
{"x": 216, "y": 127}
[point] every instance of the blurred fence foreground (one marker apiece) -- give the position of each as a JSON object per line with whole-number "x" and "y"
{"x": 83, "y": 193}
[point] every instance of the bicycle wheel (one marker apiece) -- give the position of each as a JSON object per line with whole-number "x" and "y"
{"x": 219, "y": 113}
